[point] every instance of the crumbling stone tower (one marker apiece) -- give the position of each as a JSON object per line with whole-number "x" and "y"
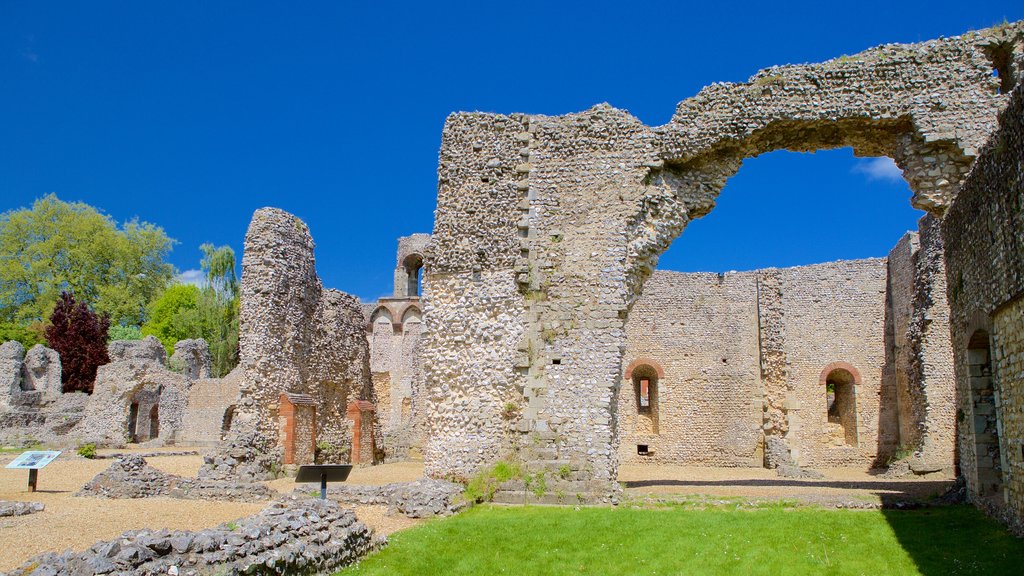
{"x": 547, "y": 227}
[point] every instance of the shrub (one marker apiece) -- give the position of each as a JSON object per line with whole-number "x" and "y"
{"x": 120, "y": 332}
{"x": 79, "y": 335}
{"x": 481, "y": 488}
{"x": 19, "y": 333}
{"x": 87, "y": 451}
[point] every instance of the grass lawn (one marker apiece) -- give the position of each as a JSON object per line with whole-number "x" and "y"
{"x": 675, "y": 540}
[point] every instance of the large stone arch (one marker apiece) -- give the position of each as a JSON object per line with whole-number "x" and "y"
{"x": 547, "y": 227}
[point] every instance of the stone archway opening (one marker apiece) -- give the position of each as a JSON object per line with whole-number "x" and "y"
{"x": 985, "y": 423}
{"x": 841, "y": 406}
{"x": 547, "y": 228}
{"x": 413, "y": 265}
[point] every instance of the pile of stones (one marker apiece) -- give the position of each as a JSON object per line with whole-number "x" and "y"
{"x": 8, "y": 508}
{"x": 425, "y": 498}
{"x": 291, "y": 536}
{"x": 131, "y": 477}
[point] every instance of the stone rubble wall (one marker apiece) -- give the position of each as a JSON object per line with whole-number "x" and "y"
{"x": 209, "y": 400}
{"x": 131, "y": 477}
{"x": 192, "y": 357}
{"x": 702, "y": 330}
{"x": 920, "y": 353}
{"x": 290, "y": 537}
{"x": 137, "y": 373}
{"x": 426, "y": 498}
{"x": 983, "y": 234}
{"x": 834, "y": 314}
{"x": 295, "y": 337}
{"x": 8, "y": 508}
{"x": 554, "y": 224}
{"x": 28, "y": 380}
{"x": 743, "y": 355}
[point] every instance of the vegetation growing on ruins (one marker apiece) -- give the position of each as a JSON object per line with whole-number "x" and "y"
{"x": 774, "y": 540}
{"x": 481, "y": 488}
{"x": 79, "y": 335}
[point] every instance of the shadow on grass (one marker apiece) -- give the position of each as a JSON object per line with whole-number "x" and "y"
{"x": 956, "y": 539}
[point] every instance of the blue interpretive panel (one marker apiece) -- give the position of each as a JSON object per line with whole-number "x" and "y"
{"x": 34, "y": 460}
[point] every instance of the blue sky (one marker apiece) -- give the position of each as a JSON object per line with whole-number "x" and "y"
{"x": 193, "y": 114}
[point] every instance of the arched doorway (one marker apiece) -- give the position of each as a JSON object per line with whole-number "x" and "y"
{"x": 984, "y": 400}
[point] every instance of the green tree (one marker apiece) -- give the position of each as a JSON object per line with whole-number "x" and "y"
{"x": 14, "y": 331}
{"x": 209, "y": 312}
{"x": 59, "y": 246}
{"x": 120, "y": 332}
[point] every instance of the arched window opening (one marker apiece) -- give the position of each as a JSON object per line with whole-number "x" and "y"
{"x": 413, "y": 264}
{"x": 984, "y": 400}
{"x": 841, "y": 399}
{"x": 645, "y": 392}
{"x": 225, "y": 425}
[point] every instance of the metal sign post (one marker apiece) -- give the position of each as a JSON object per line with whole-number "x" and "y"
{"x": 33, "y": 461}
{"x": 323, "y": 473}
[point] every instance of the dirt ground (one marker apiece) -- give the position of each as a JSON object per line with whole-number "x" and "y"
{"x": 70, "y": 522}
{"x": 839, "y": 485}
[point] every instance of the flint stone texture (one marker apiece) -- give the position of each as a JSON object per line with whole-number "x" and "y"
{"x": 12, "y": 358}
{"x": 8, "y": 508}
{"x": 211, "y": 406}
{"x": 148, "y": 349}
{"x": 192, "y": 357}
{"x": 131, "y": 477}
{"x": 424, "y": 498}
{"x": 984, "y": 250}
{"x": 547, "y": 228}
{"x": 119, "y": 383}
{"x": 290, "y": 537}
{"x": 295, "y": 336}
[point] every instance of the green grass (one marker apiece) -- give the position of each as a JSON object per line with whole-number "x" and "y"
{"x": 676, "y": 540}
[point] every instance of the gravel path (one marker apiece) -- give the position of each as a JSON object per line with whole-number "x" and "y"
{"x": 76, "y": 523}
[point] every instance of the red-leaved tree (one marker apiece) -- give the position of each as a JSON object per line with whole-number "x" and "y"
{"x": 79, "y": 335}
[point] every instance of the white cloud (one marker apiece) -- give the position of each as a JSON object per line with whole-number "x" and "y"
{"x": 879, "y": 169}
{"x": 194, "y": 277}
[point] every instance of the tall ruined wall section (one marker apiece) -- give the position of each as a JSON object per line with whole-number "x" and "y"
{"x": 919, "y": 348}
{"x": 547, "y": 227}
{"x": 834, "y": 314}
{"x": 984, "y": 240}
{"x": 702, "y": 330}
{"x": 294, "y": 336}
{"x": 742, "y": 355}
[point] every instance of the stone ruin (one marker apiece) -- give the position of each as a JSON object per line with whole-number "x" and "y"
{"x": 301, "y": 390}
{"x": 394, "y": 328}
{"x": 531, "y": 323}
{"x": 548, "y": 228}
{"x": 303, "y": 374}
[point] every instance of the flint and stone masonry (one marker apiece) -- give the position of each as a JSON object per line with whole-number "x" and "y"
{"x": 547, "y": 228}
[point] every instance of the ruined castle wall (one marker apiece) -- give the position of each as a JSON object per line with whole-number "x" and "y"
{"x": 209, "y": 400}
{"x": 833, "y": 313}
{"x": 561, "y": 220}
{"x": 702, "y": 330}
{"x": 983, "y": 234}
{"x": 899, "y": 351}
{"x": 295, "y": 336}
